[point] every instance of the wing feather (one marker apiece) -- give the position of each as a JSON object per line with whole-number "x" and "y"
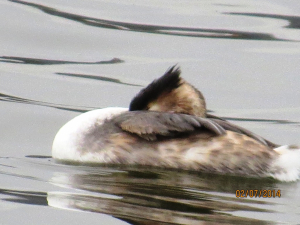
{"x": 149, "y": 124}
{"x": 235, "y": 128}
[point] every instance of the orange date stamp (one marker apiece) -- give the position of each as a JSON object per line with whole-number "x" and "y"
{"x": 256, "y": 193}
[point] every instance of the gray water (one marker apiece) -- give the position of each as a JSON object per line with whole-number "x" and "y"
{"x": 59, "y": 59}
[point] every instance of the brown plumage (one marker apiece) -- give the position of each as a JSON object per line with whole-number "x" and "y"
{"x": 182, "y": 97}
{"x": 170, "y": 93}
{"x": 185, "y": 146}
{"x": 167, "y": 126}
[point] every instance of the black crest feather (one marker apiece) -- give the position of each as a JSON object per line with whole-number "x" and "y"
{"x": 166, "y": 83}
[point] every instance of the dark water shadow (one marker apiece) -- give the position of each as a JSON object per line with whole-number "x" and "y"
{"x": 16, "y": 99}
{"x": 35, "y": 61}
{"x": 39, "y": 156}
{"x": 293, "y": 21}
{"x": 141, "y": 196}
{"x": 261, "y": 120}
{"x": 245, "y": 119}
{"x": 25, "y": 197}
{"x": 167, "y": 30}
{"x": 82, "y": 109}
{"x": 97, "y": 77}
{"x": 13, "y": 174}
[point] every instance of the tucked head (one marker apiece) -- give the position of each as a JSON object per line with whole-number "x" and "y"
{"x": 170, "y": 93}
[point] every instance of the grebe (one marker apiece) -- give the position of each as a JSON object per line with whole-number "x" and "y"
{"x": 167, "y": 126}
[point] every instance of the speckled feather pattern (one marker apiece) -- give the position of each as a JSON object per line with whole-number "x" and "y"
{"x": 204, "y": 151}
{"x": 172, "y": 131}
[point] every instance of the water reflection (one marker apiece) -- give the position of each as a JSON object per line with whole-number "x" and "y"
{"x": 35, "y": 61}
{"x": 168, "y": 30}
{"x": 293, "y": 21}
{"x": 261, "y": 120}
{"x": 15, "y": 99}
{"x": 25, "y": 197}
{"x": 97, "y": 77}
{"x": 149, "y": 197}
{"x": 81, "y": 109}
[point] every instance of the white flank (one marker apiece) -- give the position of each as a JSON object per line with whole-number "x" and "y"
{"x": 66, "y": 140}
{"x": 287, "y": 166}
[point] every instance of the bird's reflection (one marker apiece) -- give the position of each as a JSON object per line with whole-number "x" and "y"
{"x": 141, "y": 196}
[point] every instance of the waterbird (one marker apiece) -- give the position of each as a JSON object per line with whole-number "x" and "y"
{"x": 167, "y": 126}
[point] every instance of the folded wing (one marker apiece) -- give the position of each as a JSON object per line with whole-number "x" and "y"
{"x": 232, "y": 127}
{"x": 150, "y": 124}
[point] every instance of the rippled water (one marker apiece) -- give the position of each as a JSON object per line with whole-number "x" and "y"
{"x": 59, "y": 59}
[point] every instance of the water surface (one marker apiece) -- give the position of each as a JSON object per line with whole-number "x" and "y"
{"x": 59, "y": 59}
